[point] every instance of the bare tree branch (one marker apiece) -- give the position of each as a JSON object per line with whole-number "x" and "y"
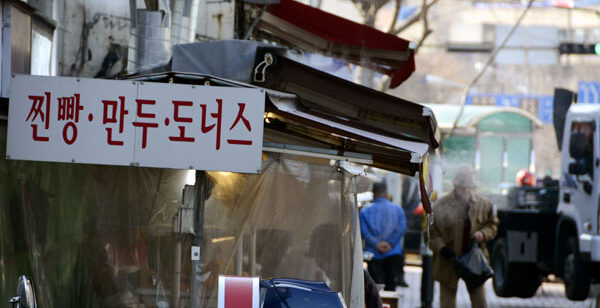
{"x": 415, "y": 18}
{"x": 379, "y": 4}
{"x": 486, "y": 65}
{"x": 384, "y": 82}
{"x": 426, "y": 30}
{"x": 420, "y": 43}
{"x": 364, "y": 7}
{"x": 396, "y": 14}
{"x": 369, "y": 8}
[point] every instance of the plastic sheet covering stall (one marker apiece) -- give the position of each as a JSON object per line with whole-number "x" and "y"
{"x": 297, "y": 219}
{"x": 95, "y": 236}
{"x": 102, "y": 236}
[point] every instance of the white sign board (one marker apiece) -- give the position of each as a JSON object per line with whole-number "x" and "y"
{"x": 135, "y": 123}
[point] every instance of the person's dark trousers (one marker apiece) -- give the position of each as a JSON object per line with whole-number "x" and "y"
{"x": 385, "y": 271}
{"x": 372, "y": 298}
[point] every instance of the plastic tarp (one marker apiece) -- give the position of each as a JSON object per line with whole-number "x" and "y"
{"x": 299, "y": 217}
{"x": 229, "y": 59}
{"x": 90, "y": 236}
{"x": 102, "y": 236}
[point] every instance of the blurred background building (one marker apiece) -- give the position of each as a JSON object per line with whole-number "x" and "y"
{"x": 523, "y": 74}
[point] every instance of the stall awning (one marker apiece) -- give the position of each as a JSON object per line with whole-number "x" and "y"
{"x": 345, "y": 102}
{"x": 286, "y": 123}
{"x": 311, "y": 29}
{"x": 319, "y": 93}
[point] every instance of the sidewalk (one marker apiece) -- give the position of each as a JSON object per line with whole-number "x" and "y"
{"x": 548, "y": 295}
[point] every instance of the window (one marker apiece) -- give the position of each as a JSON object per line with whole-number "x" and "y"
{"x": 31, "y": 42}
{"x": 29, "y": 45}
{"x": 581, "y": 148}
{"x": 41, "y": 47}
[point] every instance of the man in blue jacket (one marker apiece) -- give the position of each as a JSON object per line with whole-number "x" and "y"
{"x": 382, "y": 225}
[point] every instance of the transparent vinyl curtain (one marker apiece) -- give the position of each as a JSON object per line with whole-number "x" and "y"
{"x": 294, "y": 220}
{"x": 102, "y": 236}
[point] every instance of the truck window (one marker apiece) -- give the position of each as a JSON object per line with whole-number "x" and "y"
{"x": 581, "y": 147}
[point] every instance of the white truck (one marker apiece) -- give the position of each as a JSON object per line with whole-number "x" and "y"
{"x": 554, "y": 229}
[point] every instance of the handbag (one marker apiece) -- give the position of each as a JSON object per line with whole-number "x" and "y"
{"x": 473, "y": 268}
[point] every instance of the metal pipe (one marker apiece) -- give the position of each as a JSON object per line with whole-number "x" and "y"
{"x": 426, "y": 276}
{"x": 176, "y": 284}
{"x": 262, "y": 11}
{"x": 201, "y": 194}
{"x": 185, "y": 19}
{"x": 131, "y": 51}
{"x": 253, "y": 251}
{"x": 239, "y": 255}
{"x": 152, "y": 34}
{"x": 343, "y": 207}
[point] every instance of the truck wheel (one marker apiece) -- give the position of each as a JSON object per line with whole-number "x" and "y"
{"x": 511, "y": 279}
{"x": 502, "y": 278}
{"x": 576, "y": 276}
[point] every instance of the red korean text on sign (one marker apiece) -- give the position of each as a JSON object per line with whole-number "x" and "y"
{"x": 143, "y": 115}
{"x": 68, "y": 111}
{"x": 37, "y": 109}
{"x": 114, "y": 112}
{"x": 215, "y": 115}
{"x": 179, "y": 119}
{"x": 240, "y": 116}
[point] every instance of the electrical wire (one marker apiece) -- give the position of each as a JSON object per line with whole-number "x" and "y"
{"x": 487, "y": 64}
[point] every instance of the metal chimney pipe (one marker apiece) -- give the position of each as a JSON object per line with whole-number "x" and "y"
{"x": 153, "y": 38}
{"x": 149, "y": 37}
{"x": 131, "y": 52}
{"x": 185, "y": 19}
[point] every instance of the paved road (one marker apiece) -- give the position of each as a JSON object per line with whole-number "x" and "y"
{"x": 548, "y": 295}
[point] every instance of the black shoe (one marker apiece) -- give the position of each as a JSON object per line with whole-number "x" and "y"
{"x": 403, "y": 284}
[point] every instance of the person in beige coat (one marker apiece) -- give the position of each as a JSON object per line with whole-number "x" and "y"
{"x": 451, "y": 234}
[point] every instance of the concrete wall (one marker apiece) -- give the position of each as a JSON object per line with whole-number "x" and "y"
{"x": 90, "y": 30}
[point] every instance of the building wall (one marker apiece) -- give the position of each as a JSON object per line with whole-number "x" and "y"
{"x": 441, "y": 76}
{"x": 90, "y": 30}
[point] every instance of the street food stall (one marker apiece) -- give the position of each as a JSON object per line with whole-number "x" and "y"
{"x": 141, "y": 192}
{"x": 92, "y": 234}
